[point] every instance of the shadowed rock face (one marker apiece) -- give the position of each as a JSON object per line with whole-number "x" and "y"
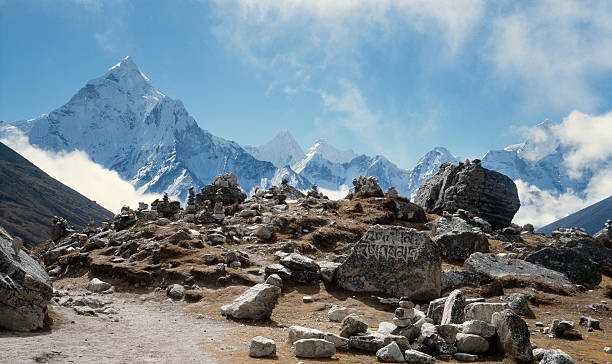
{"x": 578, "y": 268}
{"x": 469, "y": 186}
{"x": 25, "y": 288}
{"x": 393, "y": 260}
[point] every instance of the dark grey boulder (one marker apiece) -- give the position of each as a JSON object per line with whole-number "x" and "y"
{"x": 456, "y": 245}
{"x": 513, "y": 338}
{"x": 578, "y": 268}
{"x": 393, "y": 260}
{"x": 483, "y": 192}
{"x": 458, "y": 278}
{"x": 25, "y": 288}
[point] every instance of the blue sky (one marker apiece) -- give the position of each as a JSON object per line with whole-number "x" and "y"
{"x": 380, "y": 77}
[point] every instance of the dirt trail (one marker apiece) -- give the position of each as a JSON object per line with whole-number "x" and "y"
{"x": 146, "y": 332}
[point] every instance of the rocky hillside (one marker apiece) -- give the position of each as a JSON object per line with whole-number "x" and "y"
{"x": 30, "y": 198}
{"x": 591, "y": 218}
{"x": 370, "y": 278}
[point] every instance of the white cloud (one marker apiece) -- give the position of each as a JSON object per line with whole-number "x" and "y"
{"x": 555, "y": 48}
{"x": 590, "y": 139}
{"x": 352, "y": 105}
{"x": 542, "y": 207}
{"x": 77, "y": 171}
{"x": 105, "y": 40}
{"x": 289, "y": 37}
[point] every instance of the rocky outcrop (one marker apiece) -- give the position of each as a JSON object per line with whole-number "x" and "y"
{"x": 578, "y": 268}
{"x": 395, "y": 261}
{"x": 469, "y": 186}
{"x": 25, "y": 288}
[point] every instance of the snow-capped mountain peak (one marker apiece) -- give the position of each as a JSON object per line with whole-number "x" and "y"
{"x": 123, "y": 123}
{"x": 283, "y": 150}
{"x": 330, "y": 152}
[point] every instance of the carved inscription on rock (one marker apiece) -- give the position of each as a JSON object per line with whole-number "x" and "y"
{"x": 393, "y": 260}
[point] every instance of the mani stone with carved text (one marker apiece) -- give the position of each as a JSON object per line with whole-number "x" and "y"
{"x": 393, "y": 260}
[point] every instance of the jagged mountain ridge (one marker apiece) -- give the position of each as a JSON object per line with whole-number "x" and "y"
{"x": 540, "y": 161}
{"x": 334, "y": 169}
{"x": 30, "y": 198}
{"x": 123, "y": 123}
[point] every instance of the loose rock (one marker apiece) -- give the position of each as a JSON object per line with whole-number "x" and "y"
{"x": 256, "y": 303}
{"x": 262, "y": 347}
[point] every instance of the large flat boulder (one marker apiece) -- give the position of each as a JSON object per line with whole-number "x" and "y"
{"x": 483, "y": 192}
{"x": 25, "y": 288}
{"x": 395, "y": 261}
{"x": 500, "y": 265}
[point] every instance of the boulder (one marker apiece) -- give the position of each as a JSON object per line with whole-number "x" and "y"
{"x": 275, "y": 280}
{"x": 500, "y": 265}
{"x": 390, "y": 354}
{"x": 454, "y": 308}
{"x": 408, "y": 211}
{"x": 351, "y": 325}
{"x": 370, "y": 341}
{"x": 556, "y": 356}
{"x": 278, "y": 269}
{"x": 417, "y": 357}
{"x": 460, "y": 245}
{"x": 261, "y": 347}
{"x": 465, "y": 357}
{"x": 483, "y": 311}
{"x": 518, "y": 303}
{"x": 594, "y": 250}
{"x": 575, "y": 266}
{"x": 456, "y": 278}
{"x": 256, "y": 303}
{"x": 395, "y": 261}
{"x": 299, "y": 332}
{"x": 471, "y": 344}
{"x": 25, "y": 288}
{"x": 176, "y": 292}
{"x": 339, "y": 341}
{"x": 480, "y": 328}
{"x": 435, "y": 310}
{"x": 328, "y": 270}
{"x": 606, "y": 232}
{"x": 513, "y": 337}
{"x": 314, "y": 348}
{"x": 337, "y": 313}
{"x": 469, "y": 186}
{"x": 295, "y": 261}
{"x": 96, "y": 285}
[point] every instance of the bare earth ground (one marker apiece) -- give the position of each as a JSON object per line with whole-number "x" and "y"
{"x": 151, "y": 329}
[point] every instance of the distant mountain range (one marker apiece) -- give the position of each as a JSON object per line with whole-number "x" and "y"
{"x": 123, "y": 123}
{"x": 30, "y": 198}
{"x": 591, "y": 218}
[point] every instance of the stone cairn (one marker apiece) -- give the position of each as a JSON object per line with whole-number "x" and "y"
{"x": 314, "y": 193}
{"x": 226, "y": 186}
{"x": 365, "y": 187}
{"x": 166, "y": 208}
{"x": 404, "y": 313}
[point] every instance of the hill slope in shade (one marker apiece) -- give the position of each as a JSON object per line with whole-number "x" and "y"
{"x": 29, "y": 198}
{"x": 591, "y": 218}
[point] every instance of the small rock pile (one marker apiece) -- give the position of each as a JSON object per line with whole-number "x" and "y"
{"x": 224, "y": 189}
{"x": 364, "y": 187}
